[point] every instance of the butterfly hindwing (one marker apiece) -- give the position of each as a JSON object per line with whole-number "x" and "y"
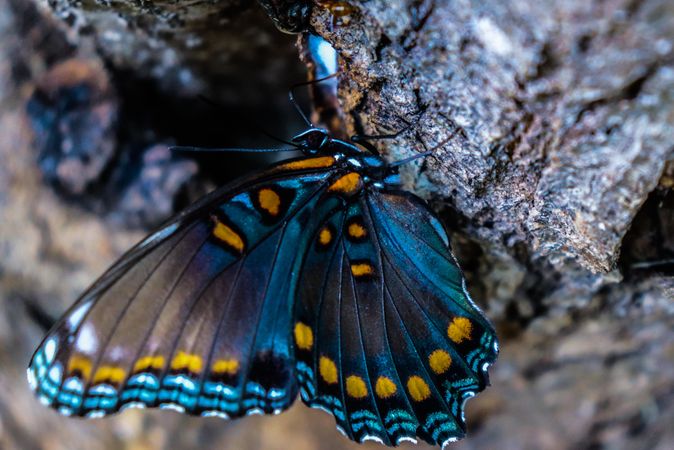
{"x": 399, "y": 345}
{"x": 198, "y": 316}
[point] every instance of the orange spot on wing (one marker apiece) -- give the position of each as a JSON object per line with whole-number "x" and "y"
{"x": 460, "y": 329}
{"x": 225, "y": 366}
{"x": 385, "y": 387}
{"x": 325, "y": 236}
{"x": 149, "y": 362}
{"x": 81, "y": 364}
{"x": 357, "y": 230}
{"x": 309, "y": 163}
{"x": 112, "y": 374}
{"x": 361, "y": 269}
{"x": 418, "y": 388}
{"x": 439, "y": 361}
{"x": 356, "y": 387}
{"x": 186, "y": 361}
{"x": 228, "y": 236}
{"x": 327, "y": 369}
{"x": 348, "y": 184}
{"x": 269, "y": 201}
{"x": 304, "y": 337}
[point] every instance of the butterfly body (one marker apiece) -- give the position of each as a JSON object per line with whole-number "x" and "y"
{"x": 319, "y": 276}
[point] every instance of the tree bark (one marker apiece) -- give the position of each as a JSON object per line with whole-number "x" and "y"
{"x": 551, "y": 125}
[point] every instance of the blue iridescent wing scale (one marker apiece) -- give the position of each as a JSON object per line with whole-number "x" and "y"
{"x": 197, "y": 317}
{"x": 391, "y": 343}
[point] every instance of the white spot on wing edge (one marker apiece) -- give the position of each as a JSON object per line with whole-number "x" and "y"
{"x": 214, "y": 413}
{"x": 97, "y": 414}
{"x": 369, "y": 437}
{"x": 32, "y": 382}
{"x": 50, "y": 349}
{"x": 469, "y": 395}
{"x": 468, "y": 297}
{"x": 131, "y": 405}
{"x": 172, "y": 406}
{"x": 449, "y": 441}
{"x": 86, "y": 341}
{"x": 255, "y": 412}
{"x": 406, "y": 439}
{"x": 76, "y": 317}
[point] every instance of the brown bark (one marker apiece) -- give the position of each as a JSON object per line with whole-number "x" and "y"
{"x": 556, "y": 181}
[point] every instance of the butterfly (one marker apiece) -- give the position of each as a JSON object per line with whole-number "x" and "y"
{"x": 319, "y": 275}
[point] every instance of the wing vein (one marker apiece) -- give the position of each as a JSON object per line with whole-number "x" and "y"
{"x": 420, "y": 238}
{"x": 319, "y": 307}
{"x": 246, "y": 372}
{"x": 364, "y": 357}
{"x": 427, "y": 316}
{"x": 412, "y": 264}
{"x": 421, "y": 360}
{"x": 195, "y": 300}
{"x": 123, "y": 313}
{"x": 384, "y": 290}
{"x": 339, "y": 340}
{"x": 221, "y": 321}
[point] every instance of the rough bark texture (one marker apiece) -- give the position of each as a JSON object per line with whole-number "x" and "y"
{"x": 554, "y": 168}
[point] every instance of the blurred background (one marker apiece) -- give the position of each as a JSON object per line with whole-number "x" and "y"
{"x": 93, "y": 93}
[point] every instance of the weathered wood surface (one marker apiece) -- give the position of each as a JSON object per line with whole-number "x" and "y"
{"x": 556, "y": 183}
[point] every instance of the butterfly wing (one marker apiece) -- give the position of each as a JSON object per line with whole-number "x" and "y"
{"x": 397, "y": 344}
{"x": 197, "y": 317}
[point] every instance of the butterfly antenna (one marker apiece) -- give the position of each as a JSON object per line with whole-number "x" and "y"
{"x": 278, "y": 139}
{"x": 291, "y": 96}
{"x": 212, "y": 103}
{"x": 189, "y": 149}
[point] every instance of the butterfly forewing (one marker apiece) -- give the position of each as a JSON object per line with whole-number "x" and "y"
{"x": 198, "y": 316}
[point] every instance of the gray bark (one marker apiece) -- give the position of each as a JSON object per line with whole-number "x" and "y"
{"x": 552, "y": 123}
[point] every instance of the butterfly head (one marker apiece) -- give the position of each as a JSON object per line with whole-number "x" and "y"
{"x": 312, "y": 140}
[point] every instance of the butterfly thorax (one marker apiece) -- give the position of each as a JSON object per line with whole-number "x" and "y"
{"x": 360, "y": 168}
